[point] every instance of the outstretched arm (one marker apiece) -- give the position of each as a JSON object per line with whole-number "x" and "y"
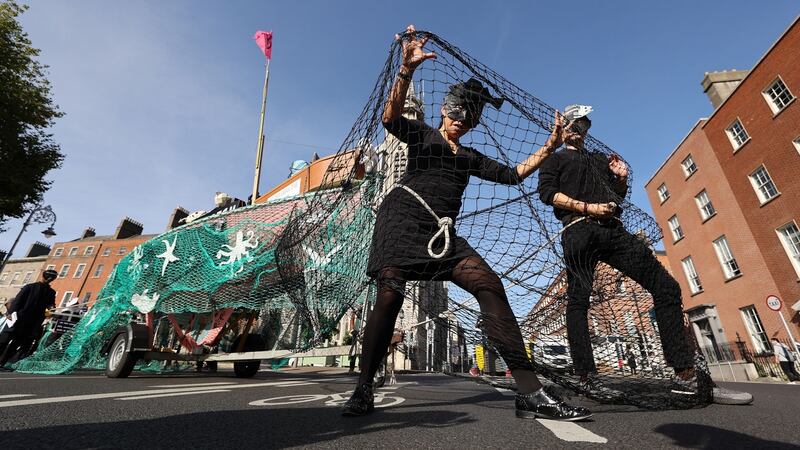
{"x": 601, "y": 210}
{"x": 527, "y": 167}
{"x": 413, "y": 56}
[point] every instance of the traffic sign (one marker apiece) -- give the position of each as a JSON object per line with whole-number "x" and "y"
{"x": 774, "y": 303}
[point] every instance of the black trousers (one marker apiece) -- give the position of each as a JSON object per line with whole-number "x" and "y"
{"x": 588, "y": 242}
{"x": 789, "y": 370}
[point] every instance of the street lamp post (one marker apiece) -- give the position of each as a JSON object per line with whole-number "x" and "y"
{"x": 40, "y": 214}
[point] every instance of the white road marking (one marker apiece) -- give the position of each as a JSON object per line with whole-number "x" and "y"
{"x": 50, "y": 377}
{"x": 193, "y": 384}
{"x": 505, "y": 391}
{"x": 16, "y": 395}
{"x": 74, "y": 398}
{"x": 571, "y": 431}
{"x": 173, "y": 394}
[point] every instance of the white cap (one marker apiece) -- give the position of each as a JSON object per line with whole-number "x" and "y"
{"x": 573, "y": 112}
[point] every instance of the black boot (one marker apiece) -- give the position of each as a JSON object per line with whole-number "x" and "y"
{"x": 542, "y": 405}
{"x": 361, "y": 402}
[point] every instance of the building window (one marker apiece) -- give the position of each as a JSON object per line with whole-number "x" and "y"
{"x": 777, "y": 96}
{"x": 86, "y": 298}
{"x": 27, "y": 278}
{"x": 15, "y": 278}
{"x": 122, "y": 251}
{"x": 98, "y": 271}
{"x": 399, "y": 164}
{"x": 663, "y": 193}
{"x": 4, "y": 278}
{"x": 114, "y": 267}
{"x": 51, "y": 267}
{"x": 737, "y": 134}
{"x": 675, "y": 227}
{"x": 726, "y": 259}
{"x": 107, "y": 251}
{"x": 756, "y": 329}
{"x": 691, "y": 275}
{"x": 790, "y": 238}
{"x": 79, "y": 270}
{"x": 704, "y": 204}
{"x": 59, "y": 251}
{"x": 64, "y": 271}
{"x": 796, "y": 143}
{"x": 67, "y": 297}
{"x": 73, "y": 251}
{"x": 689, "y": 167}
{"x": 763, "y": 185}
{"x": 88, "y": 250}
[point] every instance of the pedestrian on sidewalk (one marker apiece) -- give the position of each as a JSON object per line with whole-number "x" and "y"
{"x": 28, "y": 308}
{"x": 631, "y": 360}
{"x": 785, "y": 357}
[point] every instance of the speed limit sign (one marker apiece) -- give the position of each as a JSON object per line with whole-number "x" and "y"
{"x": 774, "y": 303}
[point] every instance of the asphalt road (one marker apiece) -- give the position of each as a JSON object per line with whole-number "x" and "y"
{"x": 299, "y": 408}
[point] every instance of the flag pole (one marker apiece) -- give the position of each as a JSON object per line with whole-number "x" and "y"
{"x": 260, "y": 151}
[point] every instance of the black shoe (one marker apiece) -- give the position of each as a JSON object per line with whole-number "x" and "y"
{"x": 361, "y": 402}
{"x": 542, "y": 405}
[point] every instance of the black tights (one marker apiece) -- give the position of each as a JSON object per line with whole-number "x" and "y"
{"x": 497, "y": 320}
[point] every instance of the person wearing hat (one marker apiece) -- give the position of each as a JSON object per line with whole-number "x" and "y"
{"x": 414, "y": 236}
{"x": 28, "y": 308}
{"x": 585, "y": 189}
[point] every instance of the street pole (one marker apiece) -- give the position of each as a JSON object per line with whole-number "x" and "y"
{"x": 260, "y": 151}
{"x": 40, "y": 214}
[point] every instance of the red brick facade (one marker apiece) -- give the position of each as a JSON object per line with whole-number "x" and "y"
{"x": 748, "y": 221}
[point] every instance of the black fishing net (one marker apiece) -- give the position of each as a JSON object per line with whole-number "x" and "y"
{"x": 504, "y": 247}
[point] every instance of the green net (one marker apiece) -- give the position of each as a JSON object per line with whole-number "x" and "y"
{"x": 228, "y": 261}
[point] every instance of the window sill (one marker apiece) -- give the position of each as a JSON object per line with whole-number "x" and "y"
{"x": 663, "y": 201}
{"x": 736, "y": 150}
{"x": 771, "y": 199}
{"x": 709, "y": 218}
{"x": 678, "y": 240}
{"x": 785, "y": 107}
{"x": 733, "y": 278}
{"x": 696, "y": 293}
{"x": 690, "y": 175}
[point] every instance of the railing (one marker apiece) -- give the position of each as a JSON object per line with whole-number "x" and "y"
{"x": 765, "y": 362}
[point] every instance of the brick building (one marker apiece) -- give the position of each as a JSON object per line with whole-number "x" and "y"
{"x": 21, "y": 271}
{"x": 728, "y": 200}
{"x": 84, "y": 264}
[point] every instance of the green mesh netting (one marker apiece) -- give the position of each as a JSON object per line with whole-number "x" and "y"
{"x": 228, "y": 261}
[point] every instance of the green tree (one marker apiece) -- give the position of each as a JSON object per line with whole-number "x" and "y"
{"x": 27, "y": 111}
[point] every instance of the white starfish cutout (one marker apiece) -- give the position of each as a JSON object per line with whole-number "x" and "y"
{"x": 168, "y": 254}
{"x": 144, "y": 303}
{"x": 319, "y": 261}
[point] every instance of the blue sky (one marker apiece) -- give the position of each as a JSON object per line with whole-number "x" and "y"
{"x": 162, "y": 99}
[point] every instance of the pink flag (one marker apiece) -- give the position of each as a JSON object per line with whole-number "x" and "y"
{"x": 264, "y": 42}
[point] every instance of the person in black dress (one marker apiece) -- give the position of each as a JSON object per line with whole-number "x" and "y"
{"x": 414, "y": 236}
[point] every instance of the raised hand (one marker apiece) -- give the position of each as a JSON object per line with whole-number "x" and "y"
{"x": 413, "y": 54}
{"x": 556, "y": 136}
{"x": 617, "y": 166}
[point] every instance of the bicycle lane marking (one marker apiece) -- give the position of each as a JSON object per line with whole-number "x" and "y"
{"x": 147, "y": 392}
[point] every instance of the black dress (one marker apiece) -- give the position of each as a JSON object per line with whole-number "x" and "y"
{"x": 403, "y": 226}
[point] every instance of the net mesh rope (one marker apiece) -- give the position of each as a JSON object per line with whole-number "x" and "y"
{"x": 308, "y": 255}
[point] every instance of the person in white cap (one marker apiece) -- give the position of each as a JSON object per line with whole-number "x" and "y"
{"x": 585, "y": 189}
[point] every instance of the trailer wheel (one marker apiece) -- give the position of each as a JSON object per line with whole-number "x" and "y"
{"x": 120, "y": 360}
{"x": 254, "y": 343}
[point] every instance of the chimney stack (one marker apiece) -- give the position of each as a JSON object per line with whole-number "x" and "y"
{"x": 38, "y": 249}
{"x": 128, "y": 228}
{"x": 179, "y": 214}
{"x": 719, "y": 85}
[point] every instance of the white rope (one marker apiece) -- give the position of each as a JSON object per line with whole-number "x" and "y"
{"x": 444, "y": 224}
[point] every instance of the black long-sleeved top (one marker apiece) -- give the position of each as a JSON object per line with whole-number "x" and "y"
{"x": 580, "y": 175}
{"x": 30, "y": 304}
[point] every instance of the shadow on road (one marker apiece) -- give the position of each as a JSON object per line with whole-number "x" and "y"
{"x": 707, "y": 437}
{"x": 256, "y": 428}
